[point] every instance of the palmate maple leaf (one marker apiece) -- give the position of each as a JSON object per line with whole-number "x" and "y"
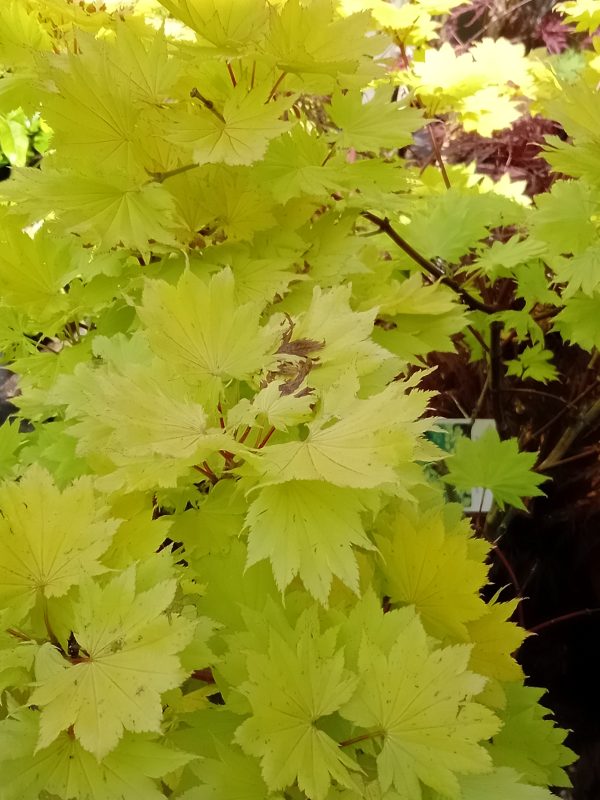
{"x": 314, "y": 41}
{"x": 345, "y": 335}
{"x": 360, "y": 448}
{"x": 535, "y": 363}
{"x": 433, "y": 568}
{"x": 237, "y": 135}
{"x": 373, "y": 125}
{"x": 33, "y": 271}
{"x": 200, "y": 329}
{"x": 290, "y": 688}
{"x": 419, "y": 700}
{"x": 501, "y": 784}
{"x": 293, "y": 165}
{"x": 231, "y": 775}
{"x": 131, "y": 659}
{"x": 529, "y": 741}
{"x": 496, "y": 465}
{"x": 494, "y": 639}
{"x": 105, "y": 209}
{"x": 231, "y": 26}
{"x": 308, "y": 528}
{"x": 49, "y": 540}
{"x": 578, "y": 320}
{"x": 66, "y": 770}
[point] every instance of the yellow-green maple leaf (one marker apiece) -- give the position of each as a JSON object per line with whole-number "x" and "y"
{"x": 237, "y": 134}
{"x": 294, "y": 165}
{"x": 201, "y": 330}
{"x": 141, "y": 428}
{"x": 35, "y": 270}
{"x": 308, "y": 528}
{"x": 93, "y": 114}
{"x": 141, "y": 58}
{"x": 535, "y": 363}
{"x": 314, "y": 40}
{"x": 585, "y": 13}
{"x": 344, "y": 333}
{"x": 418, "y": 700}
{"x": 488, "y": 110}
{"x": 64, "y": 769}
{"x": 578, "y": 320}
{"x": 375, "y": 124}
{"x": 495, "y": 639}
{"x": 581, "y": 272}
{"x": 500, "y": 784}
{"x": 135, "y": 413}
{"x": 222, "y": 198}
{"x": 444, "y": 73}
{"x": 362, "y": 448}
{"x": 49, "y": 540}
{"x": 452, "y": 223}
{"x": 11, "y": 441}
{"x": 529, "y": 741}
{"x": 16, "y": 657}
{"x": 103, "y": 209}
{"x": 22, "y": 35}
{"x": 430, "y": 567}
{"x": 231, "y": 775}
{"x": 290, "y": 688}
{"x": 231, "y": 26}
{"x": 501, "y": 258}
{"x": 421, "y": 317}
{"x": 127, "y": 659}
{"x": 564, "y": 217}
{"x": 270, "y": 407}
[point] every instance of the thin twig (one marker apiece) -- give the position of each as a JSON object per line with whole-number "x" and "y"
{"x": 539, "y": 392}
{"x": 208, "y": 104}
{"x": 362, "y": 738}
{"x": 438, "y": 157}
{"x": 266, "y": 438}
{"x": 276, "y": 86}
{"x": 159, "y": 177}
{"x": 385, "y": 227}
{"x": 496, "y": 376}
{"x": 231, "y": 74}
{"x": 458, "y": 405}
{"x": 530, "y": 576}
{"x": 477, "y": 410}
{"x": 207, "y": 471}
{"x": 514, "y": 580}
{"x": 583, "y": 421}
{"x": 20, "y": 635}
{"x": 244, "y": 435}
{"x": 584, "y": 612}
{"x": 479, "y": 338}
{"x": 330, "y": 152}
{"x": 588, "y": 451}
{"x": 568, "y": 404}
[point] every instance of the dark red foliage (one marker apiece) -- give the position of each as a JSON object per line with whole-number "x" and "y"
{"x": 524, "y": 21}
{"x": 554, "y": 33}
{"x": 514, "y": 150}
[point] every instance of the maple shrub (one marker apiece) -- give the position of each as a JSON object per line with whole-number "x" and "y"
{"x": 224, "y": 570}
